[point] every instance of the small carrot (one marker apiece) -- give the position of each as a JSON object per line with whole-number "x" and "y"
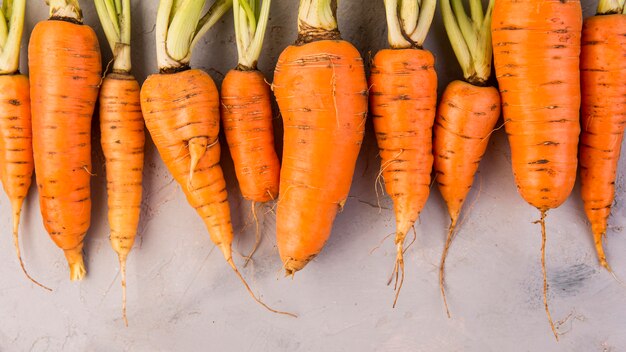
{"x": 321, "y": 90}
{"x": 181, "y": 110}
{"x": 247, "y": 110}
{"x": 16, "y": 149}
{"x": 467, "y": 113}
{"x": 536, "y": 51}
{"x": 603, "y": 83}
{"x": 122, "y": 135}
{"x": 403, "y": 100}
{"x": 65, "y": 74}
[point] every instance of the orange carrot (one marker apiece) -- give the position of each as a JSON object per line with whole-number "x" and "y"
{"x": 122, "y": 137}
{"x": 467, "y": 113}
{"x": 536, "y": 51}
{"x": 65, "y": 74}
{"x": 181, "y": 110}
{"x": 321, "y": 91}
{"x": 16, "y": 149}
{"x": 247, "y": 111}
{"x": 403, "y": 99}
{"x": 603, "y": 83}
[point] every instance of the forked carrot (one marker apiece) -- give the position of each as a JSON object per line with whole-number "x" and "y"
{"x": 467, "y": 113}
{"x": 65, "y": 74}
{"x": 181, "y": 110}
{"x": 122, "y": 135}
{"x": 321, "y": 90}
{"x": 247, "y": 111}
{"x": 16, "y": 149}
{"x": 536, "y": 51}
{"x": 403, "y": 100}
{"x": 603, "y": 83}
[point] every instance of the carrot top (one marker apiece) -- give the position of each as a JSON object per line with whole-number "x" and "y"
{"x": 68, "y": 10}
{"x": 470, "y": 37}
{"x": 250, "y": 24}
{"x": 11, "y": 28}
{"x": 317, "y": 21}
{"x": 179, "y": 25}
{"x": 607, "y": 7}
{"x": 115, "y": 18}
{"x": 408, "y": 22}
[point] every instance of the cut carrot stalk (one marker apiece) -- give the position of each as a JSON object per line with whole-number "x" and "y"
{"x": 321, "y": 91}
{"x": 181, "y": 110}
{"x": 403, "y": 101}
{"x": 466, "y": 115}
{"x": 536, "y": 51}
{"x": 65, "y": 76}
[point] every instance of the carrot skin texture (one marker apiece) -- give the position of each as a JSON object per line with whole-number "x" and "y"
{"x": 179, "y": 108}
{"x": 122, "y": 139}
{"x": 537, "y": 66}
{"x": 403, "y": 100}
{"x": 603, "y": 82}
{"x": 247, "y": 119}
{"x": 321, "y": 91}
{"x": 65, "y": 74}
{"x": 466, "y": 117}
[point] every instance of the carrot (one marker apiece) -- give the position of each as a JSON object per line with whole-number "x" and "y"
{"x": 536, "y": 51}
{"x": 403, "y": 99}
{"x": 181, "y": 110}
{"x": 321, "y": 91}
{"x": 247, "y": 110}
{"x": 65, "y": 74}
{"x": 603, "y": 84}
{"x": 122, "y": 135}
{"x": 16, "y": 150}
{"x": 467, "y": 113}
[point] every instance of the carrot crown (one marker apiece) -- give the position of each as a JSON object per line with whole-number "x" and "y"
{"x": 408, "y": 22}
{"x": 179, "y": 26}
{"x": 470, "y": 37}
{"x": 68, "y": 10}
{"x": 11, "y": 28}
{"x": 115, "y": 19}
{"x": 316, "y": 21}
{"x": 250, "y": 24}
{"x": 606, "y": 7}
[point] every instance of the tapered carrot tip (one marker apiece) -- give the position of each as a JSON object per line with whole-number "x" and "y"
{"x": 77, "y": 265}
{"x": 293, "y": 265}
{"x": 597, "y": 237}
{"x": 197, "y": 148}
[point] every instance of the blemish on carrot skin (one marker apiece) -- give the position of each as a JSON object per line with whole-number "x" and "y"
{"x": 15, "y": 102}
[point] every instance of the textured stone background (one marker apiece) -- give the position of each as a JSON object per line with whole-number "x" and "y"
{"x": 182, "y": 296}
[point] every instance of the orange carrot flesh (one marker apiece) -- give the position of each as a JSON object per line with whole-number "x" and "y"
{"x": 603, "y": 82}
{"x": 466, "y": 117}
{"x": 16, "y": 149}
{"x": 536, "y": 54}
{"x": 247, "y": 118}
{"x": 65, "y": 74}
{"x": 321, "y": 91}
{"x": 122, "y": 139}
{"x": 403, "y": 100}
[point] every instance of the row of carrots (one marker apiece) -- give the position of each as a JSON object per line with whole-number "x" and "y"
{"x": 546, "y": 61}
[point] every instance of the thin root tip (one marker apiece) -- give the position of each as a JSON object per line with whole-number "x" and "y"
{"x": 77, "y": 271}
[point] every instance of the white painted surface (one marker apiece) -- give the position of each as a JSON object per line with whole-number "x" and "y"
{"x": 182, "y": 296}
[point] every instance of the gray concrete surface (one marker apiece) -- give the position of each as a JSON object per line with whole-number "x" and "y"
{"x": 182, "y": 296}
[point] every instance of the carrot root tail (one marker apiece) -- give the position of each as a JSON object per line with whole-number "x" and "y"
{"x": 76, "y": 263}
{"x": 16, "y": 243}
{"x": 442, "y": 264}
{"x": 257, "y": 235}
{"x": 598, "y": 239}
{"x": 257, "y": 299}
{"x": 398, "y": 269}
{"x": 542, "y": 221}
{"x": 122, "y": 258}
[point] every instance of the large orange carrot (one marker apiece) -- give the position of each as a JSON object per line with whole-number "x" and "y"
{"x": 603, "y": 82}
{"x": 181, "y": 110}
{"x": 321, "y": 91}
{"x": 65, "y": 74}
{"x": 16, "y": 149}
{"x": 536, "y": 50}
{"x": 467, "y": 113}
{"x": 122, "y": 136}
{"x": 247, "y": 111}
{"x": 403, "y": 99}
